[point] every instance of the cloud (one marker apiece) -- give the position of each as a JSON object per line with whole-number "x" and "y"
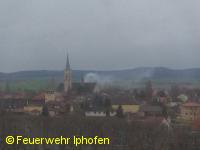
{"x": 100, "y": 34}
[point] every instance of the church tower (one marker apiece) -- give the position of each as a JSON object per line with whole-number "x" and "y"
{"x": 67, "y": 77}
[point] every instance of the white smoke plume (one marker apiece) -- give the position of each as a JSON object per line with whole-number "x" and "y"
{"x": 99, "y": 79}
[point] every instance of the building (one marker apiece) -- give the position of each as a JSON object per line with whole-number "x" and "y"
{"x": 33, "y": 110}
{"x": 50, "y": 96}
{"x": 37, "y": 100}
{"x": 150, "y": 110}
{"x": 99, "y": 113}
{"x": 128, "y": 104}
{"x": 56, "y": 108}
{"x": 14, "y": 102}
{"x": 127, "y": 107}
{"x": 190, "y": 111}
{"x": 83, "y": 88}
{"x": 156, "y": 121}
{"x": 34, "y": 105}
{"x": 80, "y": 88}
{"x": 67, "y": 77}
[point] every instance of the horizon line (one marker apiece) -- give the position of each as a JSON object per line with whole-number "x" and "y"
{"x": 103, "y": 70}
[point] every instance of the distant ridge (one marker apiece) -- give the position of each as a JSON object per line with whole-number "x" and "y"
{"x": 127, "y": 74}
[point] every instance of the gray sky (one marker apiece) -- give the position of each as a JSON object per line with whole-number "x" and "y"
{"x": 100, "y": 34}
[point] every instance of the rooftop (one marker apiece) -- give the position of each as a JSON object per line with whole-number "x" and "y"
{"x": 191, "y": 104}
{"x": 150, "y": 108}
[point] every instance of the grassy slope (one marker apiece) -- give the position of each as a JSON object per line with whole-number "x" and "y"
{"x": 42, "y": 84}
{"x": 33, "y": 85}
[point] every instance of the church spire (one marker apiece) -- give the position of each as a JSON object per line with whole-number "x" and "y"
{"x": 67, "y": 63}
{"x": 67, "y": 76}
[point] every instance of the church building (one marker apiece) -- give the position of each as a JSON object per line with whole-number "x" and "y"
{"x": 67, "y": 76}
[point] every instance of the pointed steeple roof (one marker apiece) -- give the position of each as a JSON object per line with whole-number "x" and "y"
{"x": 67, "y": 63}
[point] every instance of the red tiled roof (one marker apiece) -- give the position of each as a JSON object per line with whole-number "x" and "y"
{"x": 40, "y": 96}
{"x": 191, "y": 104}
{"x": 153, "y": 120}
{"x": 196, "y": 123}
{"x": 13, "y": 95}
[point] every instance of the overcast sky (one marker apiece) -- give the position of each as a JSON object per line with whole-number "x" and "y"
{"x": 100, "y": 34}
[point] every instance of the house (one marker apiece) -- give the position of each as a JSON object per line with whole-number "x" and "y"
{"x": 150, "y": 110}
{"x": 83, "y": 87}
{"x": 12, "y": 102}
{"x": 50, "y": 96}
{"x": 99, "y": 113}
{"x": 190, "y": 111}
{"x": 128, "y": 104}
{"x": 34, "y": 105}
{"x": 33, "y": 110}
{"x": 127, "y": 108}
{"x": 155, "y": 121}
{"x": 37, "y": 100}
{"x": 53, "y": 96}
{"x": 56, "y": 108}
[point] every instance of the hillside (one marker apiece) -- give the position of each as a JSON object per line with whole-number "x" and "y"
{"x": 130, "y": 78}
{"x": 129, "y": 74}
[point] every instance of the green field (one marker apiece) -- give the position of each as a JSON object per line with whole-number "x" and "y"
{"x": 43, "y": 84}
{"x": 25, "y": 85}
